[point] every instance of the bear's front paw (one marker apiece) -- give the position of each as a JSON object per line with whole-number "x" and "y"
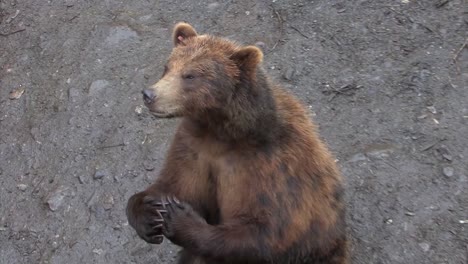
{"x": 144, "y": 213}
{"x": 181, "y": 221}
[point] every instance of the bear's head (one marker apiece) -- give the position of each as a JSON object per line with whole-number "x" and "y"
{"x": 204, "y": 74}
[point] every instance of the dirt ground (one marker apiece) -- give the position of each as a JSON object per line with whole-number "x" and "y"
{"x": 386, "y": 81}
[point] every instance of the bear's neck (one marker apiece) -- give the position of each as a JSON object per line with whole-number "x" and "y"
{"x": 250, "y": 116}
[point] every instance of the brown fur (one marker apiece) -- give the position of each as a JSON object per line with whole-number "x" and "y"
{"x": 259, "y": 185}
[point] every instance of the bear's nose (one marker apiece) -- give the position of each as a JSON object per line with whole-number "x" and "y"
{"x": 148, "y": 95}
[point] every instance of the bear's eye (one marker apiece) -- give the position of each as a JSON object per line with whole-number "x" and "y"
{"x": 188, "y": 76}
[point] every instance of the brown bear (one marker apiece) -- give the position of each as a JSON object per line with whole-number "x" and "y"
{"x": 246, "y": 179}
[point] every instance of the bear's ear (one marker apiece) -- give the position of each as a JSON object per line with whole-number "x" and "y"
{"x": 247, "y": 58}
{"x": 181, "y": 32}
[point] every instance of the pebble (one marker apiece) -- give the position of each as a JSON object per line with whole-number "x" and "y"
{"x": 432, "y": 109}
{"x": 82, "y": 179}
{"x": 56, "y": 198}
{"x": 447, "y": 157}
{"x": 213, "y": 6}
{"x": 425, "y": 246}
{"x": 98, "y": 211}
{"x": 79, "y": 158}
{"x": 119, "y": 34}
{"x": 261, "y": 45}
{"x": 448, "y": 171}
{"x": 73, "y": 94}
{"x": 463, "y": 178}
{"x": 358, "y": 157}
{"x": 98, "y": 251}
{"x": 108, "y": 202}
{"x": 100, "y": 174}
{"x": 288, "y": 73}
{"x": 22, "y": 187}
{"x": 97, "y": 86}
{"x": 379, "y": 153}
{"x": 16, "y": 93}
{"x": 139, "y": 109}
{"x": 149, "y": 166}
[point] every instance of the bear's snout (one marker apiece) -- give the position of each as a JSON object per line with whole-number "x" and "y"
{"x": 148, "y": 96}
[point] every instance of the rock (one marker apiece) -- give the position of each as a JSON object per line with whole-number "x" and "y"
{"x": 213, "y": 6}
{"x": 98, "y": 251}
{"x": 425, "y": 246}
{"x": 448, "y": 171}
{"x": 108, "y": 202}
{"x": 260, "y": 44}
{"x": 97, "y": 86}
{"x": 100, "y": 174}
{"x": 139, "y": 109}
{"x": 379, "y": 151}
{"x": 447, "y": 157}
{"x": 73, "y": 94}
{"x": 358, "y": 157}
{"x": 463, "y": 178}
{"x": 56, "y": 198}
{"x": 288, "y": 73}
{"x": 148, "y": 165}
{"x": 82, "y": 179}
{"x": 55, "y": 245}
{"x": 432, "y": 109}
{"x": 79, "y": 158}
{"x": 119, "y": 34}
{"x": 22, "y": 187}
{"x": 98, "y": 211}
{"x": 16, "y": 93}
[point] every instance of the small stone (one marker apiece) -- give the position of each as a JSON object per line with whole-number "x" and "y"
{"x": 108, "y": 202}
{"x": 97, "y": 86}
{"x": 432, "y": 109}
{"x": 79, "y": 157}
{"x": 425, "y": 246}
{"x": 261, "y": 45}
{"x": 288, "y": 73}
{"x": 16, "y": 93}
{"x": 213, "y": 6}
{"x": 447, "y": 157}
{"x": 98, "y": 211}
{"x": 139, "y": 109}
{"x": 22, "y": 187}
{"x": 56, "y": 198}
{"x": 358, "y": 157}
{"x": 100, "y": 174}
{"x": 149, "y": 166}
{"x": 82, "y": 179}
{"x": 448, "y": 171}
{"x": 73, "y": 94}
{"x": 463, "y": 178}
{"x": 389, "y": 221}
{"x": 98, "y": 251}
{"x": 120, "y": 34}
